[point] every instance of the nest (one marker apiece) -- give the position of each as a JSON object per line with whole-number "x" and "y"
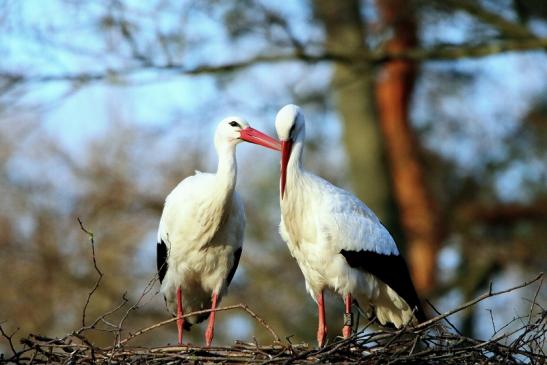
{"x": 436, "y": 341}
{"x": 429, "y": 345}
{"x": 433, "y": 342}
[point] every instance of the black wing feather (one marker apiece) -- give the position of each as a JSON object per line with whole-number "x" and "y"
{"x": 161, "y": 259}
{"x": 392, "y": 270}
{"x": 237, "y": 256}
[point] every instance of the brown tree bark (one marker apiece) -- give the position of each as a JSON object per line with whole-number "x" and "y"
{"x": 393, "y": 93}
{"x": 353, "y": 90}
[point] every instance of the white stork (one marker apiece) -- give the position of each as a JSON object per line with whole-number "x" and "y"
{"x": 338, "y": 242}
{"x": 200, "y": 233}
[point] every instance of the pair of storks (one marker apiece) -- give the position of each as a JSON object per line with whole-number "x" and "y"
{"x": 337, "y": 241}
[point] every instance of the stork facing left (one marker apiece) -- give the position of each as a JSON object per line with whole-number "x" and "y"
{"x": 338, "y": 242}
{"x": 200, "y": 234}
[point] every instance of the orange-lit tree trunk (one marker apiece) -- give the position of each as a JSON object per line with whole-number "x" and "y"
{"x": 353, "y": 91}
{"x": 393, "y": 93}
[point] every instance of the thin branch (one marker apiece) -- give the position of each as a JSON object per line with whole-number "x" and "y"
{"x": 145, "y": 291}
{"x": 103, "y": 316}
{"x": 97, "y": 283}
{"x": 9, "y": 338}
{"x": 441, "y": 53}
{"x": 534, "y": 301}
{"x": 492, "y": 320}
{"x": 488, "y": 294}
{"x": 230, "y": 307}
{"x": 506, "y": 27}
{"x": 446, "y": 319}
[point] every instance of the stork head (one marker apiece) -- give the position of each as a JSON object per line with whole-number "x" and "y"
{"x": 290, "y": 127}
{"x": 233, "y": 130}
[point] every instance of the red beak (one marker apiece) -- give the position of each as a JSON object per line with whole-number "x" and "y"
{"x": 286, "y": 147}
{"x": 254, "y": 136}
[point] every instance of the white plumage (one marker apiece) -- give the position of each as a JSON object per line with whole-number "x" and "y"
{"x": 201, "y": 230}
{"x": 338, "y": 242}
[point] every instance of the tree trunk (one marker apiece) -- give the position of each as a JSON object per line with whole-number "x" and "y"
{"x": 393, "y": 92}
{"x": 353, "y": 92}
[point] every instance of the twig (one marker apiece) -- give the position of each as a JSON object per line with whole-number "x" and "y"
{"x": 97, "y": 283}
{"x": 515, "y": 344}
{"x": 492, "y": 320}
{"x": 102, "y": 317}
{"x": 230, "y": 307}
{"x": 439, "y": 53}
{"x": 9, "y": 338}
{"x": 446, "y": 319}
{"x": 506, "y": 27}
{"x": 145, "y": 291}
{"x": 534, "y": 301}
{"x": 472, "y": 302}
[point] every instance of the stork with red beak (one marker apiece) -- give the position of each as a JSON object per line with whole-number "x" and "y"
{"x": 338, "y": 242}
{"x": 200, "y": 233}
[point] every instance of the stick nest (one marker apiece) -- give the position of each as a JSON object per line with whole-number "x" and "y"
{"x": 436, "y": 341}
{"x": 431, "y": 342}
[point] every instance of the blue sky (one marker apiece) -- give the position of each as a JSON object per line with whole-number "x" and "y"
{"x": 86, "y": 111}
{"x": 487, "y": 112}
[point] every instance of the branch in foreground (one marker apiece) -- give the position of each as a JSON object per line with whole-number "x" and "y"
{"x": 235, "y": 306}
{"x": 98, "y": 282}
{"x": 426, "y": 343}
{"x": 436, "y": 347}
{"x": 488, "y": 294}
{"x": 474, "y": 8}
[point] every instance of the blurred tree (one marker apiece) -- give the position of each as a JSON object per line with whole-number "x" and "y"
{"x": 394, "y": 87}
{"x": 352, "y": 85}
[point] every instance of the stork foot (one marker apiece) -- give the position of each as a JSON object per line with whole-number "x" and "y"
{"x": 209, "y": 335}
{"x": 346, "y": 331}
{"x": 321, "y": 335}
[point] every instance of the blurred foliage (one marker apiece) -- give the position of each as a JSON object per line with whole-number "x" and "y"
{"x": 481, "y": 134}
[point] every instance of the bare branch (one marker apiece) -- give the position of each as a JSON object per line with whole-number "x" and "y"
{"x": 92, "y": 241}
{"x": 445, "y": 52}
{"x": 9, "y": 338}
{"x": 484, "y": 296}
{"x": 230, "y": 307}
{"x": 506, "y": 27}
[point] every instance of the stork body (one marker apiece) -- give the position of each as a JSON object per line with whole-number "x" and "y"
{"x": 201, "y": 231}
{"x": 338, "y": 242}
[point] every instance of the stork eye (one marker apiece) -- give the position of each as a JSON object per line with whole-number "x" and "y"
{"x": 233, "y": 123}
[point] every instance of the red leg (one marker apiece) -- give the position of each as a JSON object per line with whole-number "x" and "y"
{"x": 180, "y": 320}
{"x": 322, "y": 327}
{"x": 348, "y": 320}
{"x": 211, "y": 326}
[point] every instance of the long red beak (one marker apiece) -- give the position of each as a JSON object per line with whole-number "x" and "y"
{"x": 286, "y": 147}
{"x": 254, "y": 136}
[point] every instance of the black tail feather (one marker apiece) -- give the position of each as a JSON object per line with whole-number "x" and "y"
{"x": 393, "y": 271}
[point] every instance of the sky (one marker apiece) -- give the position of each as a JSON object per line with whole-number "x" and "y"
{"x": 155, "y": 102}
{"x": 197, "y": 103}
